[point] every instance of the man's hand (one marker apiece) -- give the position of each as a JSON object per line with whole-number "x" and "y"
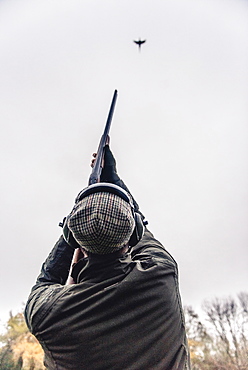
{"x": 109, "y": 171}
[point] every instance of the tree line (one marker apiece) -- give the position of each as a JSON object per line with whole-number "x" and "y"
{"x": 218, "y": 338}
{"x": 220, "y": 341}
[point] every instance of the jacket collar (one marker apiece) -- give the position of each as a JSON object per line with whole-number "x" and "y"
{"x": 96, "y": 268}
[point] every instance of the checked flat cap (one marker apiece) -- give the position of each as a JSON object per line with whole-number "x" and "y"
{"x": 102, "y": 223}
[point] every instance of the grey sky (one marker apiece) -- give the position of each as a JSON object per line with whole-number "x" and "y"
{"x": 179, "y": 131}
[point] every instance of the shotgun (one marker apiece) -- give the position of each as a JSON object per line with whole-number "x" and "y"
{"x": 95, "y": 174}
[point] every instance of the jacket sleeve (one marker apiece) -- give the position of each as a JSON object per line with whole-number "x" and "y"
{"x": 49, "y": 284}
{"x": 56, "y": 268}
{"x": 149, "y": 245}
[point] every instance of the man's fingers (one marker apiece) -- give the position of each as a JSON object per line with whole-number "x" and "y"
{"x": 93, "y": 160}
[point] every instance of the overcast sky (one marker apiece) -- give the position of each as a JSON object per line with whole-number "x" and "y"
{"x": 179, "y": 132}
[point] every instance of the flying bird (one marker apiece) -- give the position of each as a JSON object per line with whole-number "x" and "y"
{"x": 139, "y": 42}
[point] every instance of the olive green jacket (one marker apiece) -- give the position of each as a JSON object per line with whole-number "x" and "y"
{"x": 124, "y": 312}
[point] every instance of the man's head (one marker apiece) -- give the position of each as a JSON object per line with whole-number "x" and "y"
{"x": 102, "y": 222}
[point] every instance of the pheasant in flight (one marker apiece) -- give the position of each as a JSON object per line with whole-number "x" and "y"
{"x": 139, "y": 42}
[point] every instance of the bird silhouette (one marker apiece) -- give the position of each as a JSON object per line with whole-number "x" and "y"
{"x": 139, "y": 42}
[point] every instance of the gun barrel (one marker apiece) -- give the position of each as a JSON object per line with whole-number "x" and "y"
{"x": 110, "y": 115}
{"x": 97, "y": 169}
